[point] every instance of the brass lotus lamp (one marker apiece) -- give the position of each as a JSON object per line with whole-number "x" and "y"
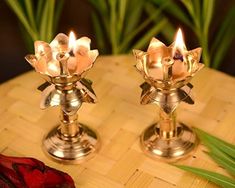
{"x": 167, "y": 72}
{"x": 63, "y": 63}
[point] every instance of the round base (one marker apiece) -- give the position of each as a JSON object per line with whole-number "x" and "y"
{"x": 75, "y": 150}
{"x": 169, "y": 150}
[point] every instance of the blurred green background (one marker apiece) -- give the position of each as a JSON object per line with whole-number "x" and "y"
{"x": 118, "y": 26}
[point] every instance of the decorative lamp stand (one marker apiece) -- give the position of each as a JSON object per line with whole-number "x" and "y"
{"x": 167, "y": 71}
{"x": 62, "y": 63}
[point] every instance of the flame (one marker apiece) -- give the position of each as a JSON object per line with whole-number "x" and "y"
{"x": 72, "y": 40}
{"x": 179, "y": 42}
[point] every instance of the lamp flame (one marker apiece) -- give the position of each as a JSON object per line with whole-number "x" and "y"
{"x": 72, "y": 40}
{"x": 179, "y": 42}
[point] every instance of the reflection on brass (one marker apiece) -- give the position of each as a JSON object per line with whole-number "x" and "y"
{"x": 167, "y": 72}
{"x": 62, "y": 63}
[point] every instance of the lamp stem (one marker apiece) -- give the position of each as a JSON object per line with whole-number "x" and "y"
{"x": 167, "y": 124}
{"x": 69, "y": 124}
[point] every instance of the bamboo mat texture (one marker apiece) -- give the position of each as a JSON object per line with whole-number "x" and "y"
{"x": 119, "y": 119}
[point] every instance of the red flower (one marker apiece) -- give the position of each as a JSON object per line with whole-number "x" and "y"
{"x": 31, "y": 173}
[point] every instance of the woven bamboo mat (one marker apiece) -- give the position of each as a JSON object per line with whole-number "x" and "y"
{"x": 119, "y": 119}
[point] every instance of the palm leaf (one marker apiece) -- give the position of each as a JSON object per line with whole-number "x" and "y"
{"x": 223, "y": 160}
{"x": 125, "y": 44}
{"x": 121, "y": 17}
{"x": 169, "y": 30}
{"x": 152, "y": 32}
{"x": 18, "y": 10}
{"x": 29, "y": 9}
{"x": 57, "y": 13}
{"x": 39, "y": 11}
{"x": 133, "y": 15}
{"x": 50, "y": 19}
{"x": 223, "y": 38}
{"x": 112, "y": 25}
{"x": 208, "y": 9}
{"x": 100, "y": 39}
{"x": 219, "y": 179}
{"x": 209, "y": 140}
{"x": 44, "y": 21}
{"x": 188, "y": 4}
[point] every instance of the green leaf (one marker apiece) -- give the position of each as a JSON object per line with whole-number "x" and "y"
{"x": 57, "y": 13}
{"x": 169, "y": 30}
{"x": 209, "y": 140}
{"x": 27, "y": 39}
{"x": 133, "y": 15}
{"x": 175, "y": 10}
{"x": 50, "y": 20}
{"x": 44, "y": 22}
{"x": 223, "y": 38}
{"x": 223, "y": 160}
{"x": 121, "y": 17}
{"x": 100, "y": 39}
{"x": 152, "y": 32}
{"x": 188, "y": 4}
{"x": 124, "y": 45}
{"x": 219, "y": 179}
{"x": 208, "y": 9}
{"x": 18, "y": 10}
{"x": 29, "y": 9}
{"x": 112, "y": 26}
{"x": 217, "y": 154}
{"x": 96, "y": 5}
{"x": 39, "y": 11}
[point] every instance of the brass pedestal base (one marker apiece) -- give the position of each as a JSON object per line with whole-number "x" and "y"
{"x": 72, "y": 150}
{"x": 170, "y": 150}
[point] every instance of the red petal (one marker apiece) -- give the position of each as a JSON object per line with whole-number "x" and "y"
{"x": 11, "y": 176}
{"x": 54, "y": 177}
{"x": 32, "y": 173}
{"x": 33, "y": 178}
{"x": 8, "y": 161}
{"x": 4, "y": 184}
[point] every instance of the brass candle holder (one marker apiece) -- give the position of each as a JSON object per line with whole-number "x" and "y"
{"x": 167, "y": 72}
{"x": 63, "y": 63}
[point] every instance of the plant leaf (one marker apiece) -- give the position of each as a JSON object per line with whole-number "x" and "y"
{"x": 174, "y": 9}
{"x": 223, "y": 38}
{"x": 100, "y": 39}
{"x": 124, "y": 45}
{"x": 121, "y": 17}
{"x": 59, "y": 8}
{"x": 39, "y": 11}
{"x": 17, "y": 9}
{"x": 50, "y": 19}
{"x": 113, "y": 26}
{"x": 133, "y": 15}
{"x": 223, "y": 160}
{"x": 219, "y": 179}
{"x": 209, "y": 140}
{"x": 188, "y": 4}
{"x": 29, "y": 9}
{"x": 44, "y": 21}
{"x": 208, "y": 9}
{"x": 169, "y": 30}
{"x": 152, "y": 32}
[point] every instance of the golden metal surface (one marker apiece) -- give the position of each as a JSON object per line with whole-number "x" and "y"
{"x": 165, "y": 146}
{"x": 167, "y": 71}
{"x": 71, "y": 142}
{"x": 62, "y": 63}
{"x": 73, "y": 150}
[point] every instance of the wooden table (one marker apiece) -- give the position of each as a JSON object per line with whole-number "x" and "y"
{"x": 119, "y": 119}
